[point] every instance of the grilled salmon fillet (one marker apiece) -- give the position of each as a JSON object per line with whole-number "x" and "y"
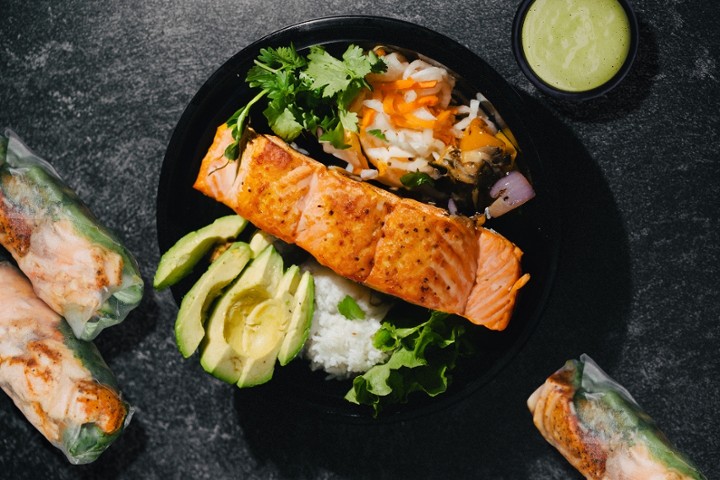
{"x": 339, "y": 225}
{"x": 498, "y": 278}
{"x": 414, "y": 251}
{"x": 422, "y": 257}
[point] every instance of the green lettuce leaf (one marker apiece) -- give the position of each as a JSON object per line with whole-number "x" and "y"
{"x": 422, "y": 357}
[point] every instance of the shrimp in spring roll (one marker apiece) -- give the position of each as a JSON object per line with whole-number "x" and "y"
{"x": 76, "y": 266}
{"x": 61, "y": 384}
{"x": 598, "y": 427}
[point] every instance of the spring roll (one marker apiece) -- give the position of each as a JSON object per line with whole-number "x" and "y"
{"x": 601, "y": 430}
{"x": 61, "y": 384}
{"x": 76, "y": 266}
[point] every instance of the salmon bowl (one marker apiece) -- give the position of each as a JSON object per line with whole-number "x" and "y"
{"x": 181, "y": 208}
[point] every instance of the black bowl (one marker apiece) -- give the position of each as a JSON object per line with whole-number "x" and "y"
{"x": 181, "y": 209}
{"x": 563, "y": 94}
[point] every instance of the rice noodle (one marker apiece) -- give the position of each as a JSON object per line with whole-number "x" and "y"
{"x": 368, "y": 173}
{"x": 397, "y": 147}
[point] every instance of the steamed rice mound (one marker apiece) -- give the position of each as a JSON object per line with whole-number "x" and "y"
{"x": 337, "y": 345}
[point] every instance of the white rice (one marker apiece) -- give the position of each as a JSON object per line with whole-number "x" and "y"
{"x": 337, "y": 345}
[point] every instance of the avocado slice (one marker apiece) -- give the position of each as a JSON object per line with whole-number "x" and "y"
{"x": 195, "y": 305}
{"x": 290, "y": 280}
{"x": 260, "y": 339}
{"x": 260, "y": 241}
{"x": 256, "y": 284}
{"x": 302, "y": 313}
{"x": 180, "y": 259}
{"x": 265, "y": 330}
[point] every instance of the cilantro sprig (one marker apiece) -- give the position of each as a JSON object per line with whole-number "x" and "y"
{"x": 310, "y": 93}
{"x": 349, "y": 309}
{"x": 413, "y": 180}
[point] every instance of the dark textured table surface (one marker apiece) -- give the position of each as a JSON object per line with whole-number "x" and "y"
{"x": 97, "y": 88}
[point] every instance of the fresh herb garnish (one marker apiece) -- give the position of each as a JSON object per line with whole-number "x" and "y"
{"x": 349, "y": 309}
{"x": 421, "y": 361}
{"x": 376, "y": 132}
{"x": 306, "y": 94}
{"x": 416, "y": 179}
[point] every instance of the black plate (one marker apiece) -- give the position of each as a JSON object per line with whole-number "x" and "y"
{"x": 533, "y": 228}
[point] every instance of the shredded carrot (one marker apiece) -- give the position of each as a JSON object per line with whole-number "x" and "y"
{"x": 428, "y": 100}
{"x": 444, "y": 116}
{"x": 443, "y": 125}
{"x": 400, "y": 84}
{"x": 389, "y": 104}
{"x": 367, "y": 118}
{"x": 404, "y": 83}
{"x": 400, "y": 112}
{"x": 411, "y": 121}
{"x": 427, "y": 84}
{"x": 403, "y": 108}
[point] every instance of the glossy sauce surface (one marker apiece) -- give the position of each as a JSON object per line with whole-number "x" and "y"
{"x": 576, "y": 45}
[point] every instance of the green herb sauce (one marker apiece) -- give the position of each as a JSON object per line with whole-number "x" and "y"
{"x": 576, "y": 45}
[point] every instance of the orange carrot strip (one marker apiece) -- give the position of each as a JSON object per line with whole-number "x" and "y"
{"x": 389, "y": 104}
{"x": 404, "y": 83}
{"x": 401, "y": 84}
{"x": 427, "y": 84}
{"x": 368, "y": 117}
{"x": 444, "y": 116}
{"x": 428, "y": 100}
{"x": 443, "y": 124}
{"x": 411, "y": 121}
{"x": 404, "y": 108}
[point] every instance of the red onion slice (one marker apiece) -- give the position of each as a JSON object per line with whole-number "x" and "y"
{"x": 510, "y": 192}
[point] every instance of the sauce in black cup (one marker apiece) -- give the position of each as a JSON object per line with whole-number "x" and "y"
{"x": 575, "y": 49}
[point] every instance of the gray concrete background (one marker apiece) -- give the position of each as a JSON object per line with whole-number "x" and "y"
{"x": 97, "y": 88}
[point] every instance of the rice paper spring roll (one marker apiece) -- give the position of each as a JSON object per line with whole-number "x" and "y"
{"x": 76, "y": 266}
{"x": 60, "y": 383}
{"x": 601, "y": 430}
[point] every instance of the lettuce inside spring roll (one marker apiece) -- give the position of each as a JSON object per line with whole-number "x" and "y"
{"x": 61, "y": 384}
{"x": 76, "y": 266}
{"x": 601, "y": 430}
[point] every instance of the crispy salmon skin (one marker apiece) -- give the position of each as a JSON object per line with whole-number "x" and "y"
{"x": 414, "y": 251}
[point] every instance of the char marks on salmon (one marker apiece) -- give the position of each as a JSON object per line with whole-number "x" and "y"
{"x": 414, "y": 251}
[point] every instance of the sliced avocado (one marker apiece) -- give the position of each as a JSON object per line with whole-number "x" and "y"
{"x": 195, "y": 305}
{"x": 257, "y": 283}
{"x": 265, "y": 331}
{"x": 180, "y": 259}
{"x": 260, "y": 241}
{"x": 302, "y": 313}
{"x": 260, "y": 338}
{"x": 290, "y": 280}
